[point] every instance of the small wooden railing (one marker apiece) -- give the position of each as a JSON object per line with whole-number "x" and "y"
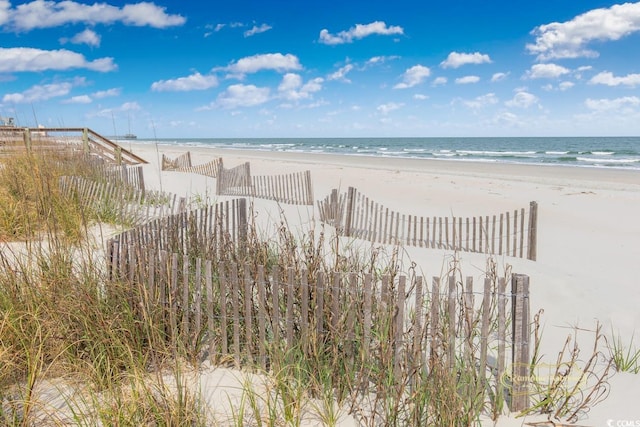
{"x": 80, "y": 139}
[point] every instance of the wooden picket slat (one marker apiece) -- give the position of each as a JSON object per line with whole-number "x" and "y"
{"x": 451, "y": 321}
{"x": 293, "y": 188}
{"x": 363, "y": 218}
{"x": 384, "y": 321}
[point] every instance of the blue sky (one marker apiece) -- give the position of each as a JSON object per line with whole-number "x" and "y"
{"x": 170, "y": 69}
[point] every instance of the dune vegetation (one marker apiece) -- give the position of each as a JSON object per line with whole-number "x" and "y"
{"x": 73, "y": 354}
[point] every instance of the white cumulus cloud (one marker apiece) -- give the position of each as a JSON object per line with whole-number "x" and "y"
{"x": 341, "y": 74}
{"x": 546, "y": 71}
{"x": 268, "y": 61}
{"x": 88, "y": 37}
{"x": 5, "y": 7}
{"x": 107, "y": 93}
{"x": 130, "y": 106}
{"x": 566, "y": 85}
{"x": 612, "y": 104}
{"x": 375, "y": 60}
{"x": 195, "y": 81}
{"x": 359, "y": 31}
{"x": 439, "y": 81}
{"x": 127, "y": 107}
{"x": 313, "y": 85}
{"x": 257, "y": 30}
{"x": 148, "y": 14}
{"x": 240, "y": 95}
{"x": 292, "y": 88}
{"x": 87, "y": 99}
{"x": 39, "y": 93}
{"x": 48, "y": 14}
{"x": 570, "y": 39}
{"x": 481, "y": 101}
{"x": 467, "y": 80}
{"x": 456, "y": 59}
{"x": 413, "y": 76}
{"x": 290, "y": 81}
{"x": 80, "y": 99}
{"x": 607, "y": 78}
{"x": 499, "y": 77}
{"x": 389, "y": 107}
{"x": 30, "y": 59}
{"x": 522, "y": 100}
{"x": 507, "y": 118}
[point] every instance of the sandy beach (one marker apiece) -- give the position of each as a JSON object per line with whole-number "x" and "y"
{"x": 584, "y": 275}
{"x": 374, "y": 214}
{"x": 588, "y": 239}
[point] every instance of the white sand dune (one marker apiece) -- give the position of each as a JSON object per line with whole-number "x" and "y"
{"x": 588, "y": 264}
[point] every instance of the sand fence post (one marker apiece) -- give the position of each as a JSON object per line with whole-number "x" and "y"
{"x": 224, "y": 286}
{"x": 309, "y": 187}
{"x": 351, "y": 195}
{"x": 469, "y": 314}
{"x": 451, "y": 318}
{"x": 434, "y": 318}
{"x": 290, "y": 307}
{"x": 27, "y": 138}
{"x": 85, "y": 140}
{"x": 319, "y": 313}
{"x": 235, "y": 307}
{"x": 416, "y": 352}
{"x": 262, "y": 315}
{"x": 520, "y": 345}
{"x": 398, "y": 329}
{"x": 118, "y": 155}
{"x": 275, "y": 306}
{"x": 484, "y": 329}
{"x": 248, "y": 321}
{"x": 304, "y": 311}
{"x": 242, "y": 223}
{"x": 532, "y": 250}
{"x": 219, "y": 179}
{"x": 140, "y": 179}
{"x": 366, "y": 322}
{"x": 502, "y": 311}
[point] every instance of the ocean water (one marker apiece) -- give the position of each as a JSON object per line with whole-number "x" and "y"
{"x": 601, "y": 152}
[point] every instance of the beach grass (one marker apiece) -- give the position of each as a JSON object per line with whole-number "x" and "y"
{"x": 625, "y": 355}
{"x": 30, "y": 200}
{"x": 61, "y": 318}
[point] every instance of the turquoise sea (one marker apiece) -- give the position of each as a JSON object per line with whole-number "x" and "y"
{"x": 601, "y": 152}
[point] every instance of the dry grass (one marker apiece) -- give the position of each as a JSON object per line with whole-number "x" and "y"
{"x": 61, "y": 318}
{"x": 31, "y": 205}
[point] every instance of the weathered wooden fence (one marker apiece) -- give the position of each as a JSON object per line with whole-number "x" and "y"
{"x": 132, "y": 176}
{"x": 183, "y": 163}
{"x": 206, "y": 232}
{"x": 293, "y": 188}
{"x": 78, "y": 139}
{"x": 235, "y": 181}
{"x": 509, "y": 233}
{"x": 241, "y": 312}
{"x": 125, "y": 203}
